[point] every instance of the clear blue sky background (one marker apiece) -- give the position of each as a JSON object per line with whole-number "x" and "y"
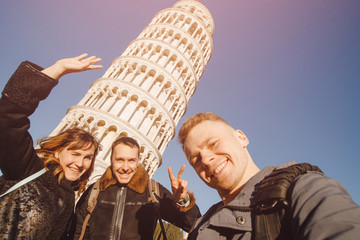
{"x": 284, "y": 72}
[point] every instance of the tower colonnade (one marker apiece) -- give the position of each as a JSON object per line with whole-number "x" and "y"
{"x": 145, "y": 91}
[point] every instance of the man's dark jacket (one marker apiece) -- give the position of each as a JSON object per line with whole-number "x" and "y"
{"x": 137, "y": 219}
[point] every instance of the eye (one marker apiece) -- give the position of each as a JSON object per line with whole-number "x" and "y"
{"x": 212, "y": 144}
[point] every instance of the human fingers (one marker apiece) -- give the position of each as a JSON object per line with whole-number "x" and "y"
{"x": 171, "y": 175}
{"x": 81, "y": 56}
{"x": 182, "y": 190}
{"x": 91, "y": 64}
{"x": 181, "y": 171}
{"x": 95, "y": 67}
{"x": 95, "y": 60}
{"x": 88, "y": 60}
{"x": 184, "y": 184}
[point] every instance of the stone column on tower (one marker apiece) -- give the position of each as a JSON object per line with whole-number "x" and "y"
{"x": 145, "y": 91}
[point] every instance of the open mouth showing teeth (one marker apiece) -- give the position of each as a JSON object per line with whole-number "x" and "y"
{"x": 75, "y": 170}
{"x": 124, "y": 174}
{"x": 219, "y": 168}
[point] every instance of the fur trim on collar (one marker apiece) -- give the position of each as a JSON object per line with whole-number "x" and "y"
{"x": 107, "y": 179}
{"x": 138, "y": 182}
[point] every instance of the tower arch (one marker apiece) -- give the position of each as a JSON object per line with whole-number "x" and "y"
{"x": 145, "y": 91}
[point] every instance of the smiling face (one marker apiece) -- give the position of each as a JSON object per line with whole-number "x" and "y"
{"x": 124, "y": 162}
{"x": 75, "y": 162}
{"x": 219, "y": 156}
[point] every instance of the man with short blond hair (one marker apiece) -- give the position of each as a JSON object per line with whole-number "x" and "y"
{"x": 306, "y": 203}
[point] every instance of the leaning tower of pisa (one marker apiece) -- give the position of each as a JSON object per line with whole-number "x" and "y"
{"x": 145, "y": 91}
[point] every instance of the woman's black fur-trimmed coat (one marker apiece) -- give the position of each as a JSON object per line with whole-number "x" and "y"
{"x": 41, "y": 208}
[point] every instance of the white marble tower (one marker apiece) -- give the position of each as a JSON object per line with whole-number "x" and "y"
{"x": 145, "y": 91}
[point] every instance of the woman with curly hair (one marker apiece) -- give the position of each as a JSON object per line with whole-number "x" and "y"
{"x": 42, "y": 207}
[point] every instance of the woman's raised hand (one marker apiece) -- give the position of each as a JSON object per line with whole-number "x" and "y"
{"x": 71, "y": 65}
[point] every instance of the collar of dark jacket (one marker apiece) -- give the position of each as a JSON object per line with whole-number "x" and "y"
{"x": 138, "y": 182}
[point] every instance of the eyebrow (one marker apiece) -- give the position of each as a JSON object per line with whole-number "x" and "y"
{"x": 122, "y": 158}
{"x": 204, "y": 143}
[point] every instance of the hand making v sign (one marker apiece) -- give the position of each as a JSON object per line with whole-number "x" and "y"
{"x": 178, "y": 185}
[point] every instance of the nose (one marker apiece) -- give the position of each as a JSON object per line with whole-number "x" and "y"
{"x": 125, "y": 166}
{"x": 79, "y": 162}
{"x": 206, "y": 157}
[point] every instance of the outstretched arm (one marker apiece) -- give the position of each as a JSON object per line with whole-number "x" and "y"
{"x": 322, "y": 209}
{"x": 184, "y": 213}
{"x": 178, "y": 185}
{"x": 29, "y": 85}
{"x": 71, "y": 65}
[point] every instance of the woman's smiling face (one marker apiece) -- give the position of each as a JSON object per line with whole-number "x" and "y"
{"x": 75, "y": 162}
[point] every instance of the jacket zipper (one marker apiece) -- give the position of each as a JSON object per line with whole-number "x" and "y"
{"x": 118, "y": 214}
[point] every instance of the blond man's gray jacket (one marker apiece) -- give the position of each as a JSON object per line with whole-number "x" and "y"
{"x": 320, "y": 209}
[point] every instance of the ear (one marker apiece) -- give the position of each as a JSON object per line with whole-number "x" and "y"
{"x": 242, "y": 137}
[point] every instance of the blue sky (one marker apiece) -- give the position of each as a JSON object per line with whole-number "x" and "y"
{"x": 286, "y": 73}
